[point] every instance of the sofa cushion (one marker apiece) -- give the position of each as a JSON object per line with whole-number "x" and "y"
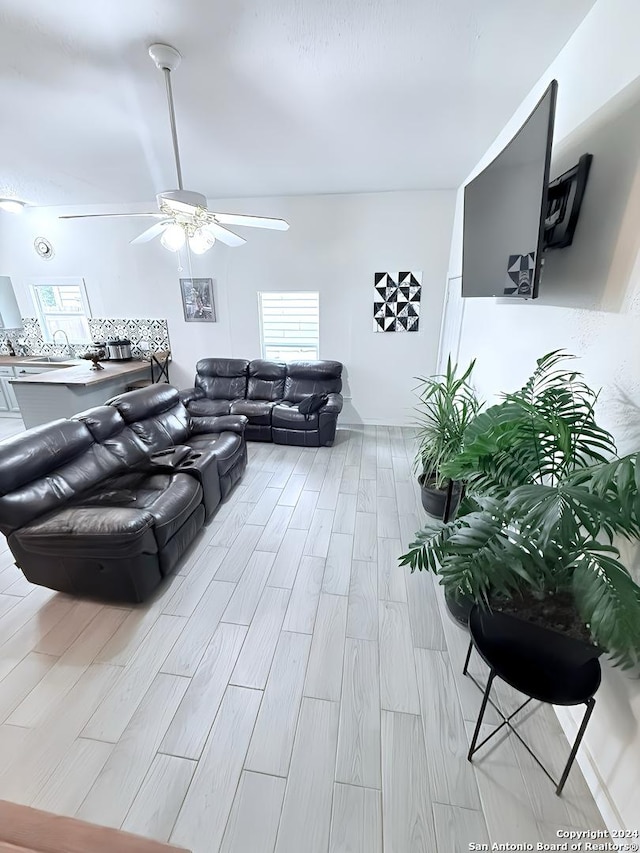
{"x": 101, "y": 421}
{"x": 222, "y": 378}
{"x": 311, "y": 377}
{"x": 29, "y": 455}
{"x": 204, "y": 408}
{"x": 266, "y": 380}
{"x": 287, "y": 416}
{"x": 155, "y": 415}
{"x": 113, "y": 436}
{"x": 167, "y": 497}
{"x": 89, "y": 531}
{"x": 145, "y": 402}
{"x": 258, "y": 411}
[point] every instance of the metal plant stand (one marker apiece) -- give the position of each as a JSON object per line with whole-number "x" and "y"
{"x": 539, "y": 677}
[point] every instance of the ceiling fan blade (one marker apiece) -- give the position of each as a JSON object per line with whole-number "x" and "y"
{"x": 97, "y": 215}
{"x": 152, "y": 232}
{"x": 224, "y": 235}
{"x": 252, "y": 221}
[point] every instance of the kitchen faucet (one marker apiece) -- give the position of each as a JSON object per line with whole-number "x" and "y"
{"x": 66, "y": 337}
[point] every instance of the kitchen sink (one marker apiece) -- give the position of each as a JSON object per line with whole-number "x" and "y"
{"x": 51, "y": 359}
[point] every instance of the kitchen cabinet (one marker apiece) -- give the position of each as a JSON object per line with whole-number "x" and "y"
{"x": 8, "y": 400}
{"x": 9, "y": 406}
{"x": 9, "y": 395}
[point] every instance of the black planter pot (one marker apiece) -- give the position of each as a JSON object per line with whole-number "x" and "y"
{"x": 459, "y": 607}
{"x": 507, "y": 630}
{"x": 434, "y": 500}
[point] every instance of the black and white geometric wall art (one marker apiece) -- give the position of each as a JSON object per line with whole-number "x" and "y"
{"x": 519, "y": 280}
{"x": 396, "y": 302}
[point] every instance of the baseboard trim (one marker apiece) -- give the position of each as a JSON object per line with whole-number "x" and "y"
{"x": 374, "y": 422}
{"x": 607, "y": 808}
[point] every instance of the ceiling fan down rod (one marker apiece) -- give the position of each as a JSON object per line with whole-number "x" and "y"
{"x": 167, "y": 59}
{"x": 172, "y": 122}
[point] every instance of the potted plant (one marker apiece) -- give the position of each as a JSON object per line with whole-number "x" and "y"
{"x": 548, "y": 498}
{"x": 447, "y": 405}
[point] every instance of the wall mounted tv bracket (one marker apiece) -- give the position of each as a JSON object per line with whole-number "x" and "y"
{"x": 564, "y": 199}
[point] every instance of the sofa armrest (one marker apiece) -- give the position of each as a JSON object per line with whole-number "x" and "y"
{"x": 333, "y": 404}
{"x": 217, "y": 424}
{"x": 189, "y": 394}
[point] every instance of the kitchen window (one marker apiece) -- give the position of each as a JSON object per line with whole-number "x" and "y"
{"x": 62, "y": 305}
{"x": 289, "y": 325}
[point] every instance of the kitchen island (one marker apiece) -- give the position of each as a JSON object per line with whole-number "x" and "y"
{"x": 63, "y": 389}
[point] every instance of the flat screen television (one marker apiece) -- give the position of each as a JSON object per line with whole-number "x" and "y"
{"x": 505, "y": 208}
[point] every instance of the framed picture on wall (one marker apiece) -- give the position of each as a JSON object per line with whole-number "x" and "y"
{"x": 197, "y": 300}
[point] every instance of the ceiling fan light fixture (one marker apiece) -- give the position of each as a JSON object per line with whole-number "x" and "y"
{"x": 12, "y": 205}
{"x": 173, "y": 238}
{"x": 201, "y": 241}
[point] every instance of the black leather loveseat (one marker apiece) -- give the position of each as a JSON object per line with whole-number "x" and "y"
{"x": 268, "y": 394}
{"x": 101, "y": 505}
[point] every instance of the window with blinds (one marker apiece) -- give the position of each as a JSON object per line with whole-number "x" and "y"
{"x": 289, "y": 325}
{"x": 62, "y": 305}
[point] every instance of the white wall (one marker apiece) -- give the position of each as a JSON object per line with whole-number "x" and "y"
{"x": 589, "y": 304}
{"x": 334, "y": 245}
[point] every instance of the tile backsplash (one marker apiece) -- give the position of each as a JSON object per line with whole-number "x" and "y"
{"x": 12, "y": 335}
{"x": 154, "y": 332}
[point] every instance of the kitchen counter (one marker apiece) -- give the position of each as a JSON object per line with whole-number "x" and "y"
{"x": 10, "y": 360}
{"x": 65, "y": 388}
{"x": 79, "y": 372}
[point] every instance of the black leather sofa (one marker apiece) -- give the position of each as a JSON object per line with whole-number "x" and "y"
{"x": 105, "y": 503}
{"x": 268, "y": 394}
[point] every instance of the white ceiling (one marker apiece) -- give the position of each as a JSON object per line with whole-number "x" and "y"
{"x": 274, "y": 97}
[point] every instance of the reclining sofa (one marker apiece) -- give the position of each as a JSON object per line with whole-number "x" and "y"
{"x": 268, "y": 394}
{"x": 105, "y": 504}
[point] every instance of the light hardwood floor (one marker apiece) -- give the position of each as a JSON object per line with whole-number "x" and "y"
{"x": 289, "y": 690}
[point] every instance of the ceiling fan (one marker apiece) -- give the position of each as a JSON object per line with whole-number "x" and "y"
{"x": 183, "y": 215}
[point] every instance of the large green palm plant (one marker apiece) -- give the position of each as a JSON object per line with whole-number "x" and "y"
{"x": 547, "y": 496}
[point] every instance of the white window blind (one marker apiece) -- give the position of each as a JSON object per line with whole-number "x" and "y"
{"x": 289, "y": 325}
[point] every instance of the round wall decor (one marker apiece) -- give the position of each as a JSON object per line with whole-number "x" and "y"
{"x": 43, "y": 247}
